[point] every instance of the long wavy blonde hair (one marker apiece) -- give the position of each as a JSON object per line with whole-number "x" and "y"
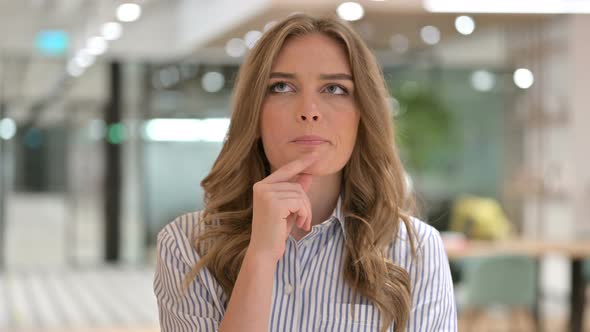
{"x": 374, "y": 197}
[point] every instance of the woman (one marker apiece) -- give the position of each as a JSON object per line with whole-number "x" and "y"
{"x": 305, "y": 226}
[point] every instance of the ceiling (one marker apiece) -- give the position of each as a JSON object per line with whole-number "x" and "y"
{"x": 197, "y": 30}
{"x": 384, "y": 19}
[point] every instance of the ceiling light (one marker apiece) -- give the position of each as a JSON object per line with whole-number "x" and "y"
{"x": 465, "y": 25}
{"x": 84, "y": 59}
{"x": 112, "y": 30}
{"x": 169, "y": 76}
{"x": 7, "y": 128}
{"x": 509, "y": 6}
{"x": 251, "y": 38}
{"x": 523, "y": 78}
{"x": 482, "y": 80}
{"x": 269, "y": 25}
{"x": 213, "y": 81}
{"x": 73, "y": 69}
{"x": 235, "y": 47}
{"x": 128, "y": 12}
{"x": 350, "y": 11}
{"x": 96, "y": 45}
{"x": 430, "y": 35}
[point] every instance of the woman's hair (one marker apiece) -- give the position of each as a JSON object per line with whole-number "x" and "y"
{"x": 374, "y": 197}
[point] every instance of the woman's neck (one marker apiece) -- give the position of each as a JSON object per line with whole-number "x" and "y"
{"x": 323, "y": 196}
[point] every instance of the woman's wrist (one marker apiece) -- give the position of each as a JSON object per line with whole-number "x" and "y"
{"x": 260, "y": 259}
{"x": 253, "y": 286}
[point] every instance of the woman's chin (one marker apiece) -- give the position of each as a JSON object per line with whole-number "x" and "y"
{"x": 319, "y": 170}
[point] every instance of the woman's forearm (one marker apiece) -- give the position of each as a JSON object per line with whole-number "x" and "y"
{"x": 249, "y": 305}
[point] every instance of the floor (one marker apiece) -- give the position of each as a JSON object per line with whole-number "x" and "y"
{"x": 94, "y": 299}
{"x": 120, "y": 299}
{"x": 502, "y": 322}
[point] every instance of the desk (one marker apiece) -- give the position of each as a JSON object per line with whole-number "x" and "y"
{"x": 575, "y": 251}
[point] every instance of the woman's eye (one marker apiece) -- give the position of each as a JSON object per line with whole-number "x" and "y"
{"x": 283, "y": 87}
{"x": 279, "y": 87}
{"x": 342, "y": 90}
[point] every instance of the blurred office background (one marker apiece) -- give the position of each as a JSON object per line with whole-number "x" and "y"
{"x": 111, "y": 112}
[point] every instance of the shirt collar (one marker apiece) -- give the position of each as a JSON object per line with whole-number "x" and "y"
{"x": 339, "y": 215}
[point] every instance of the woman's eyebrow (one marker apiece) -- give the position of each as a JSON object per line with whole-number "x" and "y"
{"x": 338, "y": 76}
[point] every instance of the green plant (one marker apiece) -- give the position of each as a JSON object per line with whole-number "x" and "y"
{"x": 424, "y": 128}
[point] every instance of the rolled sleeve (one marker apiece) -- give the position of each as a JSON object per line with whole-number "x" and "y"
{"x": 192, "y": 310}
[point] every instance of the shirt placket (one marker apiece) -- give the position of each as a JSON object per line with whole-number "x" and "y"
{"x": 293, "y": 288}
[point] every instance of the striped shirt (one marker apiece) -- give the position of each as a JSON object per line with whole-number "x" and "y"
{"x": 309, "y": 292}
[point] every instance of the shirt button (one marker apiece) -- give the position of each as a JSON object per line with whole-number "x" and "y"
{"x": 288, "y": 289}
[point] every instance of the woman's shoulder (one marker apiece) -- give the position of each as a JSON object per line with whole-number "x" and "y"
{"x": 420, "y": 229}
{"x": 187, "y": 224}
{"x": 179, "y": 234}
{"x": 176, "y": 256}
{"x": 426, "y": 240}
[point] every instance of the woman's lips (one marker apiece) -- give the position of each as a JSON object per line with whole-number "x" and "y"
{"x": 310, "y": 142}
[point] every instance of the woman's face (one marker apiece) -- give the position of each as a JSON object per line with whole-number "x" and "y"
{"x": 310, "y": 93}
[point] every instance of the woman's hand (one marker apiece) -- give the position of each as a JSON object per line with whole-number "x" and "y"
{"x": 280, "y": 202}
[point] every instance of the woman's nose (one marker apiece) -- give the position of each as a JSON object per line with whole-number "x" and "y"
{"x": 309, "y": 111}
{"x": 309, "y": 117}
